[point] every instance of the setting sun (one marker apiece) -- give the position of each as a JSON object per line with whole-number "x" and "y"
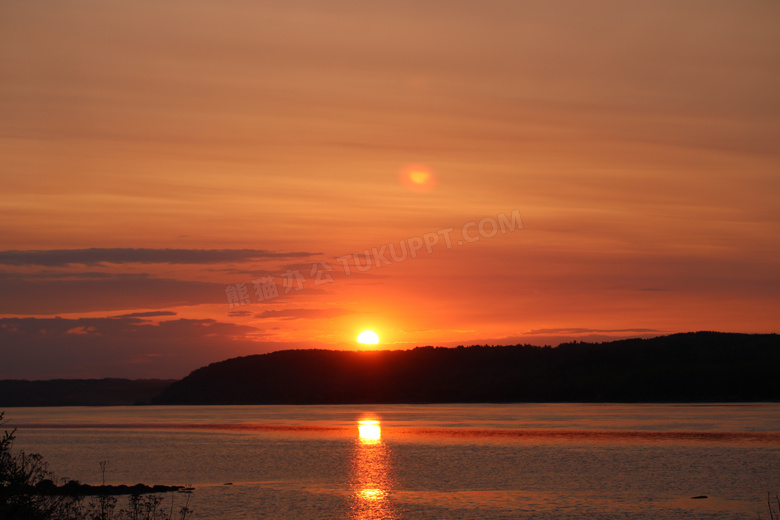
{"x": 368, "y": 337}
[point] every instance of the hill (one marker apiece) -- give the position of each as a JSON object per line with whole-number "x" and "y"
{"x": 80, "y": 392}
{"x": 689, "y": 367}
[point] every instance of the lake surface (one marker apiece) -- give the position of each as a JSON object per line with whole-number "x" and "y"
{"x": 399, "y": 462}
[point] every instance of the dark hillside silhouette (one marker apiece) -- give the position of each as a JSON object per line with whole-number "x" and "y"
{"x": 690, "y": 367}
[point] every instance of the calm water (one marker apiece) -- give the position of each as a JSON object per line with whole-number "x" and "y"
{"x": 558, "y": 461}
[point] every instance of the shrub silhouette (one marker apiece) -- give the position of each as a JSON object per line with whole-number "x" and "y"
{"x": 28, "y": 492}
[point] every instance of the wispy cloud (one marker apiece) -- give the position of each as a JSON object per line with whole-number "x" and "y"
{"x": 150, "y": 314}
{"x": 579, "y": 330}
{"x": 42, "y": 348}
{"x": 20, "y": 295}
{"x": 64, "y": 257}
{"x": 306, "y": 314}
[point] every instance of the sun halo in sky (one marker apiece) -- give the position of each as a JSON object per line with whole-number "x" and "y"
{"x": 417, "y": 177}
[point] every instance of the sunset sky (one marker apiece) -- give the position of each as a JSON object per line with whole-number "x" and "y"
{"x": 156, "y": 155}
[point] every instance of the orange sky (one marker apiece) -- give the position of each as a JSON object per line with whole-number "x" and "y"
{"x": 638, "y": 143}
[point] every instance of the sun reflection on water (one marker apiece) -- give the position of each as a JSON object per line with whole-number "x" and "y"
{"x": 369, "y": 431}
{"x": 371, "y": 478}
{"x": 372, "y": 494}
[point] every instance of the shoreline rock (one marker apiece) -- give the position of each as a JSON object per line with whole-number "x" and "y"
{"x": 75, "y": 488}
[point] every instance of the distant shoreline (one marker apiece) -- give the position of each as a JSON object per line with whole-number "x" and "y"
{"x": 79, "y": 392}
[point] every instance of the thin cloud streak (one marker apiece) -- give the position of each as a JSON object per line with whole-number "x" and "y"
{"x": 578, "y": 330}
{"x": 35, "y": 297}
{"x": 308, "y": 314}
{"x": 93, "y": 256}
{"x": 44, "y": 348}
{"x": 149, "y": 314}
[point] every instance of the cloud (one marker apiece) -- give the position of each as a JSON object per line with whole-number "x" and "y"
{"x": 553, "y": 337}
{"x": 150, "y": 314}
{"x": 64, "y": 257}
{"x": 109, "y": 326}
{"x": 577, "y": 330}
{"x": 23, "y": 294}
{"x": 239, "y": 314}
{"x": 306, "y": 314}
{"x": 58, "y": 275}
{"x": 118, "y": 346}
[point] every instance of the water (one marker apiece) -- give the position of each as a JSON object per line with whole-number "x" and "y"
{"x": 556, "y": 461}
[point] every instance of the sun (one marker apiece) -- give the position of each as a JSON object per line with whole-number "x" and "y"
{"x": 368, "y": 337}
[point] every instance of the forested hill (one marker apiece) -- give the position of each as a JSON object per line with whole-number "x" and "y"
{"x": 690, "y": 367}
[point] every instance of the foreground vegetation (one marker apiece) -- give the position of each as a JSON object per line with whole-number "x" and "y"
{"x": 774, "y": 513}
{"x": 26, "y": 485}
